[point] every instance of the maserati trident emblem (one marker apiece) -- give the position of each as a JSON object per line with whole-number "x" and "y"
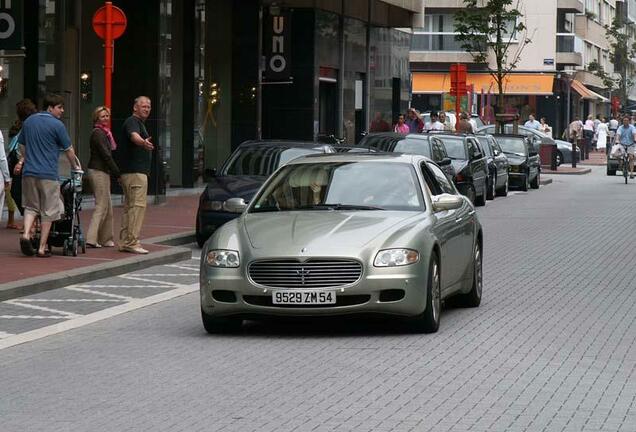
{"x": 303, "y": 250}
{"x": 303, "y": 273}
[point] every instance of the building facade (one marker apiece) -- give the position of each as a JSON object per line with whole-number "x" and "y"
{"x": 556, "y": 77}
{"x": 207, "y": 67}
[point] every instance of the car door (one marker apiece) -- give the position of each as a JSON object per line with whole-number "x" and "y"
{"x": 533, "y": 161}
{"x": 439, "y": 154}
{"x": 501, "y": 161}
{"x": 453, "y": 228}
{"x": 478, "y": 164}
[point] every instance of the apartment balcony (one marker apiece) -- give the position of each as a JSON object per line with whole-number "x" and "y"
{"x": 568, "y": 49}
{"x": 437, "y": 48}
{"x": 591, "y": 31}
{"x": 445, "y": 4}
{"x": 571, "y": 6}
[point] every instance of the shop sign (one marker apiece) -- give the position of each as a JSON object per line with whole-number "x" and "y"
{"x": 11, "y": 25}
{"x": 277, "y": 46}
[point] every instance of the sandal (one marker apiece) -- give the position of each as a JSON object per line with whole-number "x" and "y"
{"x": 109, "y": 243}
{"x": 94, "y": 246}
{"x": 26, "y": 247}
{"x": 46, "y": 254}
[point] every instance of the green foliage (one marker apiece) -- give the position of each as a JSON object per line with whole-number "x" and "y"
{"x": 621, "y": 51}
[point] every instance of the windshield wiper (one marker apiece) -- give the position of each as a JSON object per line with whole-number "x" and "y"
{"x": 337, "y": 207}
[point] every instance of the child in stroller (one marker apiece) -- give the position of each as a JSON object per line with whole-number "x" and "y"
{"x": 66, "y": 232}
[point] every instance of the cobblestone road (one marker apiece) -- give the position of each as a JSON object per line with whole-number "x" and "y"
{"x": 552, "y": 348}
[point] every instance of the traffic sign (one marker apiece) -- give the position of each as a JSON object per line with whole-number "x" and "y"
{"x": 118, "y": 22}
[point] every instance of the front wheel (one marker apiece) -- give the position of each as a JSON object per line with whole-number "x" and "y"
{"x": 504, "y": 189}
{"x": 526, "y": 183}
{"x": 491, "y": 188}
{"x": 559, "y": 158}
{"x": 536, "y": 181}
{"x": 481, "y": 199}
{"x": 428, "y": 321}
{"x": 473, "y": 297}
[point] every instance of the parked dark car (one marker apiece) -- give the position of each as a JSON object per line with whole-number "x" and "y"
{"x": 470, "y": 163}
{"x": 497, "y": 166}
{"x": 420, "y": 144}
{"x": 523, "y": 160}
{"x": 240, "y": 177}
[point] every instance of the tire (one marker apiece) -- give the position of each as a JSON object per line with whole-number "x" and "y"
{"x": 470, "y": 193}
{"x": 503, "y": 191}
{"x": 473, "y": 297}
{"x": 75, "y": 247}
{"x": 611, "y": 172}
{"x": 220, "y": 325}
{"x": 428, "y": 320}
{"x": 559, "y": 158}
{"x": 491, "y": 189}
{"x": 481, "y": 199}
{"x": 536, "y": 182}
{"x": 526, "y": 184}
{"x": 66, "y": 248}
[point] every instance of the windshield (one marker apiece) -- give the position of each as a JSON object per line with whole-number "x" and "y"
{"x": 263, "y": 160}
{"x": 341, "y": 186}
{"x": 414, "y": 146}
{"x": 512, "y": 145}
{"x": 455, "y": 148}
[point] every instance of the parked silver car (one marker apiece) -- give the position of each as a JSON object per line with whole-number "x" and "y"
{"x": 345, "y": 234}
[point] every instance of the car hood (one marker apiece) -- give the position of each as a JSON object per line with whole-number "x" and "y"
{"x": 324, "y": 230}
{"x": 222, "y": 188}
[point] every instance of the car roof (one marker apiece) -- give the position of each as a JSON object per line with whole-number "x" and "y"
{"x": 384, "y": 157}
{"x": 510, "y": 135}
{"x": 283, "y": 143}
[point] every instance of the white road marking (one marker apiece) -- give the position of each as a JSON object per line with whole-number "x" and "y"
{"x": 33, "y": 317}
{"x": 117, "y": 297}
{"x": 95, "y": 317}
{"x": 165, "y": 274}
{"x": 184, "y": 267}
{"x": 118, "y": 286}
{"x": 140, "y": 279}
{"x": 70, "y": 300}
{"x": 42, "y": 308}
{"x": 5, "y": 335}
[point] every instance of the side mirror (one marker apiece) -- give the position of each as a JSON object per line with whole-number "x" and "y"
{"x": 445, "y": 161}
{"x": 447, "y": 202}
{"x": 235, "y": 205}
{"x": 209, "y": 173}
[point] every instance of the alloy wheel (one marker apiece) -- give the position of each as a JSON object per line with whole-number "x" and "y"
{"x": 436, "y": 300}
{"x": 478, "y": 272}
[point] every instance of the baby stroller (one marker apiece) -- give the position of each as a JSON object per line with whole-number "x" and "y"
{"x": 66, "y": 232}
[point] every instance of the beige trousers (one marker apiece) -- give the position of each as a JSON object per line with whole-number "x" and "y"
{"x": 100, "y": 229}
{"x": 135, "y": 188}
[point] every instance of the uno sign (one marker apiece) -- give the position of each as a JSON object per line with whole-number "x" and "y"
{"x": 277, "y": 47}
{"x": 11, "y": 24}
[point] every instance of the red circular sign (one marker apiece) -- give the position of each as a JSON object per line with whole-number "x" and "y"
{"x": 118, "y": 22}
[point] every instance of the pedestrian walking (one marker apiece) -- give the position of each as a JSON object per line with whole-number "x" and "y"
{"x": 588, "y": 133}
{"x": 15, "y": 156}
{"x": 414, "y": 122}
{"x": 532, "y": 123}
{"x": 43, "y": 136}
{"x": 602, "y": 132}
{"x": 136, "y": 149}
{"x": 544, "y": 127}
{"x": 626, "y": 135}
{"x": 401, "y": 127}
{"x": 5, "y": 176}
{"x": 463, "y": 125}
{"x": 379, "y": 124}
{"x": 101, "y": 166}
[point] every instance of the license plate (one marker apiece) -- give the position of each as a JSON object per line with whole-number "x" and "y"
{"x": 291, "y": 297}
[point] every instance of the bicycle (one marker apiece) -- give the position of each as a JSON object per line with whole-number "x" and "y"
{"x": 625, "y": 159}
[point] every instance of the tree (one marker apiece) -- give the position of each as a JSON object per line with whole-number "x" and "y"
{"x": 493, "y": 27}
{"x": 621, "y": 51}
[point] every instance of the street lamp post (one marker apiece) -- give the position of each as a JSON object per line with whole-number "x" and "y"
{"x": 568, "y": 81}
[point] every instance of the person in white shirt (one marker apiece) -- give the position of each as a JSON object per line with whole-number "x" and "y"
{"x": 545, "y": 128}
{"x": 588, "y": 133}
{"x": 5, "y": 176}
{"x": 602, "y": 131}
{"x": 532, "y": 123}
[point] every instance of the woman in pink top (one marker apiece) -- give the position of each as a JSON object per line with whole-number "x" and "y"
{"x": 401, "y": 127}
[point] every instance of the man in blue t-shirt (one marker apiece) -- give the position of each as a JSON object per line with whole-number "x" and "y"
{"x": 625, "y": 135}
{"x": 43, "y": 136}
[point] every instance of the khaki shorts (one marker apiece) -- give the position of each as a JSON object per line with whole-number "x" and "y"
{"x": 42, "y": 197}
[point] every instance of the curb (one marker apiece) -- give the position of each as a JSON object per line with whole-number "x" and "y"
{"x": 545, "y": 181}
{"x": 40, "y": 284}
{"x": 580, "y": 172}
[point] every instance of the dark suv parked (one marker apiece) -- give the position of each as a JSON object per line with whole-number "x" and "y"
{"x": 470, "y": 163}
{"x": 421, "y": 144}
{"x": 523, "y": 160}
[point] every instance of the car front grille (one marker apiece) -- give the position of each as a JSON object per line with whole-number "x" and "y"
{"x": 313, "y": 273}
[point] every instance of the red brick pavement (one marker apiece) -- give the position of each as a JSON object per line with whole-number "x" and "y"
{"x": 175, "y": 216}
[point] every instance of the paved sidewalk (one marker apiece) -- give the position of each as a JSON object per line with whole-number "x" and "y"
{"x": 168, "y": 223}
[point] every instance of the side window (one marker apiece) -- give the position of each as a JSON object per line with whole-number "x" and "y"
{"x": 472, "y": 149}
{"x": 439, "y": 152}
{"x": 442, "y": 180}
{"x": 431, "y": 180}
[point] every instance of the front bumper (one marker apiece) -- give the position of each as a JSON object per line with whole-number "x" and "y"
{"x": 367, "y": 296}
{"x": 517, "y": 178}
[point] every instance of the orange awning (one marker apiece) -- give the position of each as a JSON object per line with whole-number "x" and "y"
{"x": 514, "y": 84}
{"x": 583, "y": 91}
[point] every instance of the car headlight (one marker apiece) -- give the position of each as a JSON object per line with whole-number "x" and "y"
{"x": 396, "y": 257}
{"x": 212, "y": 205}
{"x": 223, "y": 258}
